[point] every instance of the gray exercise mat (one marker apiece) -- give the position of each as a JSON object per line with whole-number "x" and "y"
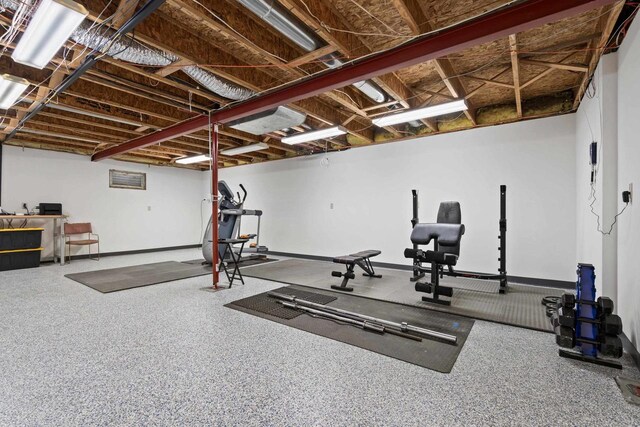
{"x": 431, "y": 354}
{"x": 118, "y": 279}
{"x": 520, "y": 306}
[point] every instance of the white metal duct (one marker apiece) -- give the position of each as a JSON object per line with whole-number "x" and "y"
{"x": 269, "y": 121}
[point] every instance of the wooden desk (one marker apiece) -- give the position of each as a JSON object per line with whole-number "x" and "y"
{"x": 10, "y": 221}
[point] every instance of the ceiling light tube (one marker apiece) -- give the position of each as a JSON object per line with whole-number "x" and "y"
{"x": 51, "y": 25}
{"x": 421, "y": 113}
{"x": 10, "y": 90}
{"x": 314, "y": 135}
{"x": 193, "y": 159}
{"x": 245, "y": 149}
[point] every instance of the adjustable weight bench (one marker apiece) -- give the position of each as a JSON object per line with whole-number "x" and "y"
{"x": 361, "y": 259}
{"x": 444, "y": 237}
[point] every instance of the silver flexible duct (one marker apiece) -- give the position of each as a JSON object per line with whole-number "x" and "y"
{"x": 128, "y": 49}
{"x": 124, "y": 48}
{"x": 218, "y": 85}
{"x": 10, "y": 4}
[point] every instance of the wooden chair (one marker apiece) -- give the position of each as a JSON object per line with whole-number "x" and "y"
{"x": 80, "y": 229}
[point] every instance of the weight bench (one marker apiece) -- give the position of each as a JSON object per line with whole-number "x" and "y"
{"x": 444, "y": 236}
{"x": 361, "y": 259}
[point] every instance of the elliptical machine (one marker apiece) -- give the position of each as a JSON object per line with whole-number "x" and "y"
{"x": 229, "y": 219}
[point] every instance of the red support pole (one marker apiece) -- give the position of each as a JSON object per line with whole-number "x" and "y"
{"x": 214, "y": 203}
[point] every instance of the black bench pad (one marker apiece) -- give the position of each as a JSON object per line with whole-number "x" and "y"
{"x": 353, "y": 258}
{"x": 366, "y": 254}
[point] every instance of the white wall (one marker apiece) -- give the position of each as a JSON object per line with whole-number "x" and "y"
{"x": 121, "y": 217}
{"x": 596, "y": 120}
{"x": 629, "y": 172}
{"x": 588, "y": 129}
{"x": 370, "y": 189}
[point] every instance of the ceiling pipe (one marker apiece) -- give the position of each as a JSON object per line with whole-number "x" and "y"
{"x": 510, "y": 19}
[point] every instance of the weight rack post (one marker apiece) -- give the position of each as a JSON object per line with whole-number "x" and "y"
{"x": 503, "y": 239}
{"x": 417, "y": 274}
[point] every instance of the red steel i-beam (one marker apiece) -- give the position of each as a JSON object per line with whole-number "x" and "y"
{"x": 518, "y": 17}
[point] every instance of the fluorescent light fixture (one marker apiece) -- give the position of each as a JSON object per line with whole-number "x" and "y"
{"x": 314, "y": 135}
{"x": 194, "y": 159}
{"x": 421, "y": 113}
{"x": 10, "y": 90}
{"x": 245, "y": 149}
{"x": 51, "y": 25}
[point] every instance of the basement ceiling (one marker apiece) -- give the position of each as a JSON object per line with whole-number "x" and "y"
{"x": 190, "y": 57}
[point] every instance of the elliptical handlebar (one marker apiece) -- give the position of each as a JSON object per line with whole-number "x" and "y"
{"x": 244, "y": 191}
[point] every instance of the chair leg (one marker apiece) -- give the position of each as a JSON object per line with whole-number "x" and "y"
{"x": 98, "y": 250}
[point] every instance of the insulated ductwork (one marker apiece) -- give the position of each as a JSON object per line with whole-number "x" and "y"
{"x": 10, "y": 4}
{"x": 124, "y": 48}
{"x": 268, "y": 12}
{"x": 218, "y": 85}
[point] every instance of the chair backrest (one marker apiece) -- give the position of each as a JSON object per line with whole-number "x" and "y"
{"x": 78, "y": 228}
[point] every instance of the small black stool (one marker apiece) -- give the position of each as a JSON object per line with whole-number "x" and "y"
{"x": 235, "y": 258}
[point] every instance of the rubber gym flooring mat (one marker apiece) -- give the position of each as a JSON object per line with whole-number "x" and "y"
{"x": 429, "y": 353}
{"x": 245, "y": 263}
{"x": 520, "y": 306}
{"x": 119, "y": 279}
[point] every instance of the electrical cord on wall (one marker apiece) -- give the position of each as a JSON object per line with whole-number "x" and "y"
{"x": 591, "y": 93}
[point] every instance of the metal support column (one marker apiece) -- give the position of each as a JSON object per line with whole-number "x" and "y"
{"x": 214, "y": 203}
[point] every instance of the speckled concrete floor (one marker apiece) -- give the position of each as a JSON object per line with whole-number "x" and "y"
{"x": 171, "y": 354}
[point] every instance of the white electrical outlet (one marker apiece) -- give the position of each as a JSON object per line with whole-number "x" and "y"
{"x": 149, "y": 208}
{"x": 331, "y": 206}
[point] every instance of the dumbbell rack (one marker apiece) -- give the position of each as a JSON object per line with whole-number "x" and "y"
{"x": 587, "y": 318}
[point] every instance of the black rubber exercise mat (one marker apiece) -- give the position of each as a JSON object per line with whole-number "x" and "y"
{"x": 243, "y": 263}
{"x": 479, "y": 299}
{"x": 429, "y": 353}
{"x": 119, "y": 279}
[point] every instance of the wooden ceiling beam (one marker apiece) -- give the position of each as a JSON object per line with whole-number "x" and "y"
{"x": 515, "y": 67}
{"x": 420, "y": 24}
{"x": 557, "y": 65}
{"x": 455, "y": 85}
{"x": 605, "y": 26}
{"x": 490, "y": 81}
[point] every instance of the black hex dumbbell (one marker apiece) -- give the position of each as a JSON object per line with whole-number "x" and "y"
{"x": 611, "y": 324}
{"x": 567, "y": 316}
{"x": 605, "y": 306}
{"x": 565, "y": 336}
{"x": 611, "y": 346}
{"x": 568, "y": 300}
